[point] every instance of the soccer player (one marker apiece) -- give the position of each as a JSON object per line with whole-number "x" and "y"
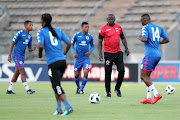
{"x": 21, "y": 40}
{"x": 82, "y": 60}
{"x": 151, "y": 35}
{"x": 111, "y": 33}
{"x": 50, "y": 38}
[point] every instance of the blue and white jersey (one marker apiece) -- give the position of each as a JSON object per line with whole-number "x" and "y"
{"x": 51, "y": 44}
{"x": 21, "y": 40}
{"x": 82, "y": 44}
{"x": 153, "y": 33}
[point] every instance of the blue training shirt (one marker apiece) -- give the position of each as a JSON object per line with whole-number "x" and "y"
{"x": 82, "y": 44}
{"x": 21, "y": 40}
{"x": 153, "y": 33}
{"x": 52, "y": 45}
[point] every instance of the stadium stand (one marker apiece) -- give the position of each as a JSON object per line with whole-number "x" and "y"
{"x": 67, "y": 15}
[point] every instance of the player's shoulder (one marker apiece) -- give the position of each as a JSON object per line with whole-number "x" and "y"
{"x": 77, "y": 33}
{"x": 145, "y": 27}
{"x": 90, "y": 35}
{"x": 19, "y": 32}
{"x": 116, "y": 25}
{"x": 104, "y": 27}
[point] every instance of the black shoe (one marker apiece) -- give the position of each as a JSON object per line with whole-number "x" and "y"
{"x": 81, "y": 92}
{"x": 30, "y": 91}
{"x": 118, "y": 92}
{"x": 10, "y": 92}
{"x": 108, "y": 94}
{"x": 77, "y": 91}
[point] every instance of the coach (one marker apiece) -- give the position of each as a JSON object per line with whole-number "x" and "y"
{"x": 111, "y": 33}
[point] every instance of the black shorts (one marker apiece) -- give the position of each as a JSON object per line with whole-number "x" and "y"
{"x": 111, "y": 58}
{"x": 55, "y": 73}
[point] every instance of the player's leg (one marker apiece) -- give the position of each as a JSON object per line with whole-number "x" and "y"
{"x": 108, "y": 70}
{"x": 13, "y": 81}
{"x": 55, "y": 72}
{"x": 77, "y": 71}
{"x": 147, "y": 66}
{"x": 23, "y": 79}
{"x": 86, "y": 68}
{"x": 120, "y": 68}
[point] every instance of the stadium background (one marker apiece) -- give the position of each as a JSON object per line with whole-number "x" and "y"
{"x": 68, "y": 15}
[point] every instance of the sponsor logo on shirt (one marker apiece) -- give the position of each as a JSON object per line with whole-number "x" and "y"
{"x": 26, "y": 41}
{"x": 23, "y": 35}
{"x": 83, "y": 43}
{"x": 108, "y": 29}
{"x": 79, "y": 36}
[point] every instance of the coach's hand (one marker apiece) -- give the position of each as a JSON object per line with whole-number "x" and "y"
{"x": 75, "y": 55}
{"x": 127, "y": 51}
{"x": 100, "y": 57}
{"x": 88, "y": 53}
{"x": 9, "y": 59}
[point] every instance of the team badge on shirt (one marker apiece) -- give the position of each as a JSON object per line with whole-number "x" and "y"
{"x": 29, "y": 36}
{"x": 117, "y": 30}
{"x": 87, "y": 37}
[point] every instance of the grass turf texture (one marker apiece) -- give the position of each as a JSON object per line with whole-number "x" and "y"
{"x": 42, "y": 104}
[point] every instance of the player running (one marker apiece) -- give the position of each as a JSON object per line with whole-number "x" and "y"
{"x": 151, "y": 35}
{"x": 50, "y": 38}
{"x": 81, "y": 55}
{"x": 21, "y": 40}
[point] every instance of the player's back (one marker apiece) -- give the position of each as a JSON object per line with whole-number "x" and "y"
{"x": 52, "y": 45}
{"x": 153, "y": 33}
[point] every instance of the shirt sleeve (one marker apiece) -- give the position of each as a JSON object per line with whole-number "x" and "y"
{"x": 16, "y": 37}
{"x": 73, "y": 41}
{"x": 101, "y": 32}
{"x": 64, "y": 37}
{"x": 30, "y": 42}
{"x": 144, "y": 32}
{"x": 92, "y": 45}
{"x": 40, "y": 37}
{"x": 163, "y": 34}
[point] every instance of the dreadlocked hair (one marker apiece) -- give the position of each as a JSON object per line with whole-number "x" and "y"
{"x": 48, "y": 18}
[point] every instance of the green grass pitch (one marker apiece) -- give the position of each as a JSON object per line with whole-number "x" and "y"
{"x": 42, "y": 104}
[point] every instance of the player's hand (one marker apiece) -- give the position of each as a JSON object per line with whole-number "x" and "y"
{"x": 75, "y": 55}
{"x": 101, "y": 58}
{"x": 34, "y": 48}
{"x": 127, "y": 51}
{"x": 139, "y": 37}
{"x": 9, "y": 59}
{"x": 88, "y": 53}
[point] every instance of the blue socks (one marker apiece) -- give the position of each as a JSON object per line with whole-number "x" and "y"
{"x": 66, "y": 104}
{"x": 77, "y": 82}
{"x": 84, "y": 81}
{"x": 59, "y": 107}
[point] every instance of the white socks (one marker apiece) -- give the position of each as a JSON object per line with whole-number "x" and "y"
{"x": 11, "y": 86}
{"x": 26, "y": 86}
{"x": 153, "y": 89}
{"x": 148, "y": 93}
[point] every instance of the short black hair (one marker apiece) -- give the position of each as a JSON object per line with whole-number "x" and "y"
{"x": 146, "y": 15}
{"x": 84, "y": 23}
{"x": 27, "y": 21}
{"x": 111, "y": 14}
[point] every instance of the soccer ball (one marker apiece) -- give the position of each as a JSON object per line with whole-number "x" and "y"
{"x": 94, "y": 98}
{"x": 170, "y": 89}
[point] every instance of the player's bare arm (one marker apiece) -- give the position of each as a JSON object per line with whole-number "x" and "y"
{"x": 10, "y": 52}
{"x": 142, "y": 39}
{"x": 123, "y": 39}
{"x": 32, "y": 48}
{"x": 100, "y": 49}
{"x": 164, "y": 41}
{"x": 67, "y": 48}
{"x": 40, "y": 49}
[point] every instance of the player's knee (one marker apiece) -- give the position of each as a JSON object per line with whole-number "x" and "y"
{"x": 59, "y": 91}
{"x": 142, "y": 77}
{"x": 85, "y": 75}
